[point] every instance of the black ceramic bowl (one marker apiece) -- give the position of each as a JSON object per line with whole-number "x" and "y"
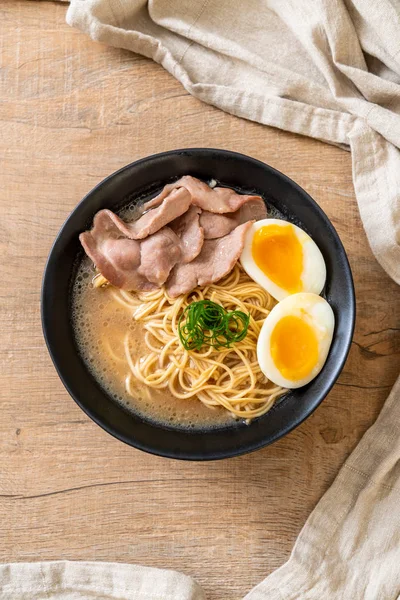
{"x": 141, "y": 179}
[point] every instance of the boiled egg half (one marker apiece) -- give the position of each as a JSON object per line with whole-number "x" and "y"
{"x": 283, "y": 259}
{"x": 295, "y": 339}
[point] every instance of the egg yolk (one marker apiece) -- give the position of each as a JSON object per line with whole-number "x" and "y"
{"x": 278, "y": 253}
{"x": 294, "y": 347}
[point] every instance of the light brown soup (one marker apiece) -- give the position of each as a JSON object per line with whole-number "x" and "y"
{"x": 100, "y": 324}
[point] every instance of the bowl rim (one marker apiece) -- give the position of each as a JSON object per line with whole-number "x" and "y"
{"x": 176, "y": 454}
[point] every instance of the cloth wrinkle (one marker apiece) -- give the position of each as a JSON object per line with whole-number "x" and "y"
{"x": 198, "y": 17}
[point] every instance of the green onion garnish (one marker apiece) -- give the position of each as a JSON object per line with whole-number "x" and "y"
{"x": 208, "y": 323}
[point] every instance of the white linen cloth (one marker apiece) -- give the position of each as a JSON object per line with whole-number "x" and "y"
{"x": 65, "y": 580}
{"x": 329, "y": 69}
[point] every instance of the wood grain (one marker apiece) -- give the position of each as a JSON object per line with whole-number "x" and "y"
{"x": 71, "y": 112}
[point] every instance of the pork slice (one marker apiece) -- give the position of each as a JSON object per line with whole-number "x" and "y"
{"x": 216, "y": 226}
{"x": 176, "y": 203}
{"x": 167, "y": 189}
{"x": 159, "y": 253}
{"x": 116, "y": 257}
{"x": 253, "y": 210}
{"x": 216, "y": 200}
{"x": 187, "y": 228}
{"x": 216, "y": 259}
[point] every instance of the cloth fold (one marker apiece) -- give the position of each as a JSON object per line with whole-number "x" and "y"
{"x": 328, "y": 69}
{"x": 67, "y": 580}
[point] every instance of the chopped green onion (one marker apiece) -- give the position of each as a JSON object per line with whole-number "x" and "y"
{"x": 206, "y": 323}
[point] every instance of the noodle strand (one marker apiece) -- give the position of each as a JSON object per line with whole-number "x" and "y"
{"x": 227, "y": 377}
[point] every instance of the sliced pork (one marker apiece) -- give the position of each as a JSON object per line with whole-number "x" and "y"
{"x": 174, "y": 205}
{"x": 189, "y": 235}
{"x": 167, "y": 189}
{"x": 216, "y": 259}
{"x": 159, "y": 253}
{"x": 216, "y": 200}
{"x": 216, "y": 226}
{"x": 187, "y": 228}
{"x": 131, "y": 264}
{"x": 116, "y": 257}
{"x": 253, "y": 210}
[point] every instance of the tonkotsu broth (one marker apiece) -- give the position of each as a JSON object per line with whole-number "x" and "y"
{"x": 100, "y": 324}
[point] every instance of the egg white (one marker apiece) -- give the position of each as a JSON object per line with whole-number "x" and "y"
{"x": 313, "y": 276}
{"x": 317, "y": 313}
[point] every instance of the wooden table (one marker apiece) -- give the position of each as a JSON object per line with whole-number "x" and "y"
{"x": 71, "y": 112}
